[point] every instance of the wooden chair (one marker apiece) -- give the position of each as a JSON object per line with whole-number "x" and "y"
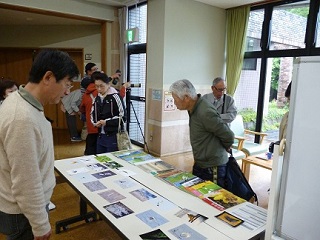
{"x": 241, "y": 142}
{"x": 238, "y": 154}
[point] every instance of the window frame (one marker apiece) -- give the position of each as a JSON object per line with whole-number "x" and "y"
{"x": 265, "y": 53}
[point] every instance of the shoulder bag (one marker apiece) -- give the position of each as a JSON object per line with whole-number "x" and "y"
{"x": 237, "y": 183}
{"x": 123, "y": 138}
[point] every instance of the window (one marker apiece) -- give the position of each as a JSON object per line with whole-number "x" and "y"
{"x": 289, "y": 23}
{"x": 137, "y": 17}
{"x": 254, "y": 30}
{"x": 249, "y": 64}
{"x": 318, "y": 31}
{"x": 285, "y": 30}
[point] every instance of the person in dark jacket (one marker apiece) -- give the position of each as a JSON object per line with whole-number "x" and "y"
{"x": 210, "y": 137}
{"x": 107, "y": 108}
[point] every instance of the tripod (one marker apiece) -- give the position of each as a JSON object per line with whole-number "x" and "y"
{"x": 130, "y": 105}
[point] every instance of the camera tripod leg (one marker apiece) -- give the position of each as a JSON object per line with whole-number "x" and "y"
{"x": 135, "y": 114}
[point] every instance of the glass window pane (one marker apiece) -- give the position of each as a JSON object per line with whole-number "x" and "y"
{"x": 138, "y": 73}
{"x": 136, "y": 126}
{"x": 138, "y": 18}
{"x": 289, "y": 24}
{"x": 279, "y": 75}
{"x": 318, "y": 31}
{"x": 246, "y": 95}
{"x": 137, "y": 108}
{"x": 254, "y": 30}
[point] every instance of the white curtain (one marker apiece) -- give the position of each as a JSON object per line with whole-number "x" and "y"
{"x": 123, "y": 14}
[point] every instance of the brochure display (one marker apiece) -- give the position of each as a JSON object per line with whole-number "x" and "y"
{"x": 157, "y": 199}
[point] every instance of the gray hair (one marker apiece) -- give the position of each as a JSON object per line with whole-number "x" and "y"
{"x": 183, "y": 88}
{"x": 217, "y": 80}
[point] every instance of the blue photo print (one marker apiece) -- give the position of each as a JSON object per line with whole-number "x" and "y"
{"x": 151, "y": 218}
{"x": 103, "y": 174}
{"x": 142, "y": 194}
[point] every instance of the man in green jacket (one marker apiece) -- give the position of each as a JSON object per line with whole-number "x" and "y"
{"x": 210, "y": 137}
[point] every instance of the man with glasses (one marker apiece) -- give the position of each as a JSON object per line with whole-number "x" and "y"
{"x": 26, "y": 147}
{"x": 221, "y": 101}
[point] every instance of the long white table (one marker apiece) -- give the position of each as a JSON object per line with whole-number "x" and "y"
{"x": 168, "y": 201}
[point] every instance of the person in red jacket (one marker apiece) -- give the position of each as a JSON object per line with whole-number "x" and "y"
{"x": 85, "y": 108}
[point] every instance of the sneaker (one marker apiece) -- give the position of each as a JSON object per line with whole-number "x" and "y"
{"x": 51, "y": 206}
{"x": 76, "y": 139}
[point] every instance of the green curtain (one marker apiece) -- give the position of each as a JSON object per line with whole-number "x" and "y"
{"x": 237, "y": 22}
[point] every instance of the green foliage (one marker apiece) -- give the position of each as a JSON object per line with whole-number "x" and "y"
{"x": 303, "y": 12}
{"x": 275, "y": 73}
{"x": 270, "y": 122}
{"x": 248, "y": 115}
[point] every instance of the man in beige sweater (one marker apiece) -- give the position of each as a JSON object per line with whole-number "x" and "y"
{"x": 26, "y": 147}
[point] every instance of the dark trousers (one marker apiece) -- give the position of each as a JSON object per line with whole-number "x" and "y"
{"x": 16, "y": 226}
{"x": 72, "y": 125}
{"x": 91, "y": 144}
{"x": 213, "y": 174}
{"x": 107, "y": 143}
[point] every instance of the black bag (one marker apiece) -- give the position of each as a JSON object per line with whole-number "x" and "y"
{"x": 236, "y": 181}
{"x": 271, "y": 145}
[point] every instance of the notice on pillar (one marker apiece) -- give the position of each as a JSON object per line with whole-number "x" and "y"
{"x": 168, "y": 102}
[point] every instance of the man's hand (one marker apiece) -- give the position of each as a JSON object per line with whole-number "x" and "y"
{"x": 126, "y": 84}
{"x": 44, "y": 237}
{"x": 116, "y": 76}
{"x": 101, "y": 123}
{"x": 229, "y": 150}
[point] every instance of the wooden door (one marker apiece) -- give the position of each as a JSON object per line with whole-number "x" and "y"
{"x": 15, "y": 63}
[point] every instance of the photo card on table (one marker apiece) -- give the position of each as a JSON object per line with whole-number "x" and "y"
{"x": 103, "y": 158}
{"x": 125, "y": 183}
{"x": 191, "y": 216}
{"x": 185, "y": 232}
{"x": 113, "y": 164}
{"x": 95, "y": 186}
{"x": 151, "y": 218}
{"x": 111, "y": 196}
{"x": 103, "y": 174}
{"x": 229, "y": 219}
{"x": 156, "y": 235}
{"x": 96, "y": 167}
{"x": 143, "y": 194}
{"x": 118, "y": 209}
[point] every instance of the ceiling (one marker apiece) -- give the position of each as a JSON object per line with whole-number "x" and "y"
{"x": 217, "y": 3}
{"x": 13, "y": 17}
{"x": 228, "y": 3}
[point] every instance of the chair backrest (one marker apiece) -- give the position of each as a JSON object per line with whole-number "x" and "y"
{"x": 237, "y": 126}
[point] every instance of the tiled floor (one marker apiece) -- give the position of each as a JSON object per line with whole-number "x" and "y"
{"x": 67, "y": 200}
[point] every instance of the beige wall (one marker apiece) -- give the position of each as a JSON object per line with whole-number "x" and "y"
{"x": 80, "y": 8}
{"x": 88, "y": 36}
{"x": 185, "y": 40}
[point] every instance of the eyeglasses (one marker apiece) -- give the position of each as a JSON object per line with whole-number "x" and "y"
{"x": 100, "y": 86}
{"x": 220, "y": 89}
{"x": 68, "y": 86}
